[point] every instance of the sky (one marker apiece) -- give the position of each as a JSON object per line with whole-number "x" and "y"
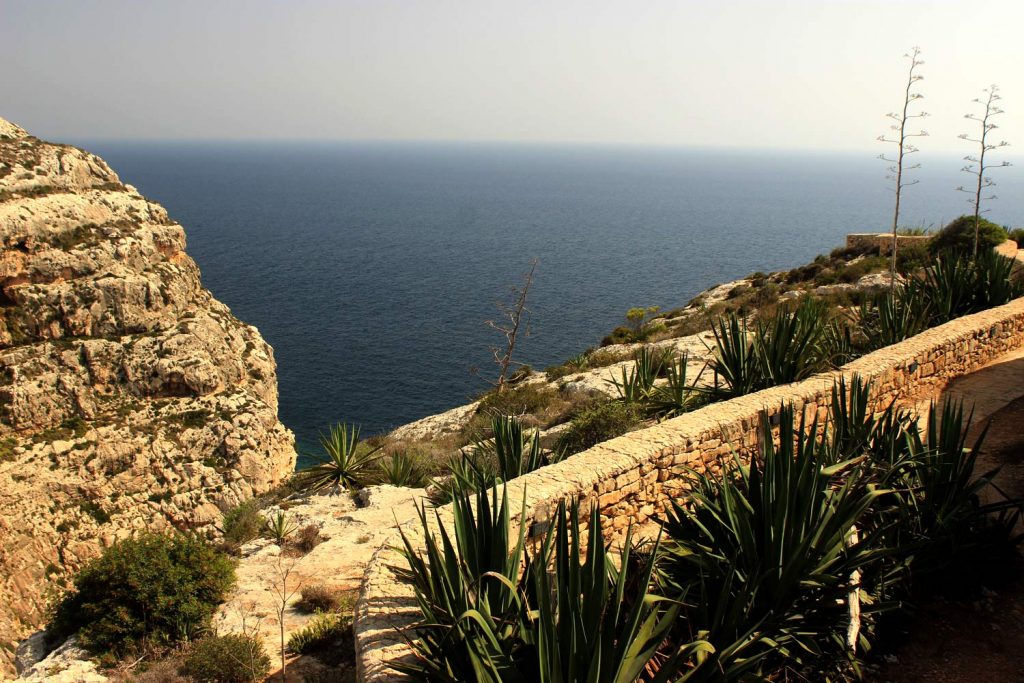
{"x": 817, "y": 74}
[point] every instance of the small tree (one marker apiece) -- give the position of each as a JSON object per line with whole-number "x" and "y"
{"x": 977, "y": 165}
{"x": 904, "y": 147}
{"x": 515, "y": 318}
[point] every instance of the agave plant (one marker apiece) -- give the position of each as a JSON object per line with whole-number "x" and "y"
{"x": 894, "y": 315}
{"x": 637, "y": 383}
{"x": 590, "y": 618}
{"x": 492, "y": 613}
{"x": 401, "y": 470}
{"x": 676, "y": 396}
{"x": 735, "y": 358}
{"x": 347, "y": 463}
{"x": 515, "y": 449}
{"x": 279, "y": 527}
{"x": 468, "y": 588}
{"x": 951, "y": 520}
{"x": 791, "y": 346}
{"x": 765, "y": 558}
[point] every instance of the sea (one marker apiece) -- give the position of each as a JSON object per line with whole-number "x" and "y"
{"x": 373, "y": 267}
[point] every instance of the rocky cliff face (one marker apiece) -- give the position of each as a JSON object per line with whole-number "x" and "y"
{"x": 129, "y": 396}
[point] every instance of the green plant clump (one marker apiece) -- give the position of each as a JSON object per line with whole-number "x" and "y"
{"x": 322, "y": 631}
{"x": 232, "y": 658}
{"x": 151, "y": 590}
{"x": 958, "y": 237}
{"x": 242, "y": 524}
{"x": 596, "y": 423}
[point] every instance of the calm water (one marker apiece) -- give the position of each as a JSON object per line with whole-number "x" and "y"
{"x": 371, "y": 268}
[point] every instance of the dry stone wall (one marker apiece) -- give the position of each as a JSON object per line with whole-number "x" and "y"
{"x": 883, "y": 241}
{"x": 632, "y": 478}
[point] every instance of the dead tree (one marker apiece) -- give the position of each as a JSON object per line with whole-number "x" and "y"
{"x": 283, "y": 594}
{"x": 903, "y": 146}
{"x": 514, "y": 320}
{"x": 978, "y": 165}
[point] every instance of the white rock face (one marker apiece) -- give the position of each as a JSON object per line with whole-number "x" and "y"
{"x": 130, "y": 398}
{"x": 67, "y": 664}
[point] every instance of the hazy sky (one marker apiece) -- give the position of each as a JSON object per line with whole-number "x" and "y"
{"x": 799, "y": 74}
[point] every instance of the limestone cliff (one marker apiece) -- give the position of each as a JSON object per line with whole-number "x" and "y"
{"x": 129, "y": 396}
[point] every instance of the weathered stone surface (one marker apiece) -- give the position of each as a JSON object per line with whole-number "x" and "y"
{"x": 67, "y": 664}
{"x": 130, "y": 398}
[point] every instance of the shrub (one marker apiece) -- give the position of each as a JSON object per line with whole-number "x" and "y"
{"x": 1017, "y": 235}
{"x": 347, "y": 463}
{"x": 620, "y": 335}
{"x": 307, "y": 538}
{"x": 232, "y": 658}
{"x": 242, "y": 524}
{"x": 912, "y": 258}
{"x": 597, "y": 423}
{"x": 958, "y": 237}
{"x": 322, "y": 631}
{"x": 318, "y": 598}
{"x": 154, "y": 589}
{"x": 517, "y": 400}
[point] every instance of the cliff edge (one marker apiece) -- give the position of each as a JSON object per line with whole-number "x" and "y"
{"x": 130, "y": 397}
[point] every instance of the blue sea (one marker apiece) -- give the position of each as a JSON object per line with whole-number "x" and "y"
{"x": 371, "y": 268}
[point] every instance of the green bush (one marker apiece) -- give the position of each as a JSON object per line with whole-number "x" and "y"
{"x": 154, "y": 589}
{"x": 322, "y": 631}
{"x": 597, "y": 423}
{"x": 233, "y": 658}
{"x": 912, "y": 258}
{"x": 958, "y": 236}
{"x": 242, "y": 524}
{"x": 1017, "y": 235}
{"x": 517, "y": 400}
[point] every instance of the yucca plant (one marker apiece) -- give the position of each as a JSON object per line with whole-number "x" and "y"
{"x": 511, "y": 452}
{"x": 590, "y": 618}
{"x": 676, "y": 396}
{"x": 468, "y": 587}
{"x": 279, "y": 527}
{"x": 735, "y": 358}
{"x": 995, "y": 281}
{"x": 401, "y": 470}
{"x": 951, "y": 520}
{"x": 515, "y": 449}
{"x": 765, "y": 556}
{"x": 637, "y": 383}
{"x": 894, "y": 315}
{"x": 791, "y": 346}
{"x": 347, "y": 463}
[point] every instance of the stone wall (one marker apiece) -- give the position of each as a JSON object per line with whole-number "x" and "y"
{"x": 632, "y": 478}
{"x": 883, "y": 241}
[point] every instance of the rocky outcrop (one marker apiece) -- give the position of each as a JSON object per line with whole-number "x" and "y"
{"x": 130, "y": 398}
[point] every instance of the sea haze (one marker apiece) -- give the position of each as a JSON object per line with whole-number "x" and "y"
{"x": 371, "y": 267}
